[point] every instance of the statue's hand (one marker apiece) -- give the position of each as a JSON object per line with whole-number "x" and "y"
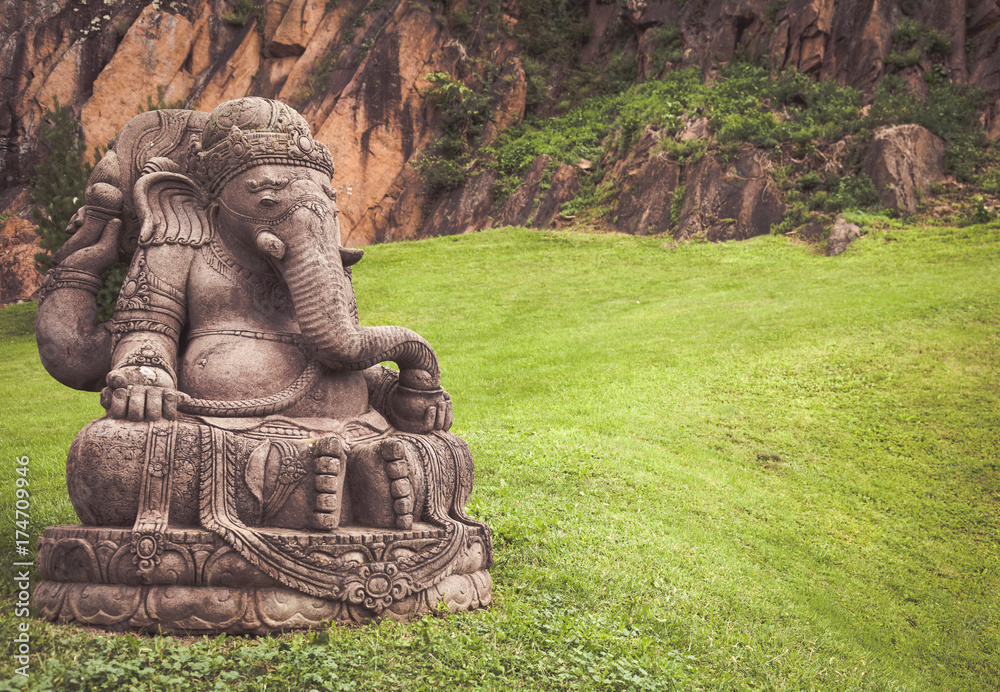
{"x": 421, "y": 411}
{"x": 93, "y": 245}
{"x": 140, "y": 393}
{"x": 95, "y": 229}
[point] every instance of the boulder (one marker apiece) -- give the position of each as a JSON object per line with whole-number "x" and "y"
{"x": 842, "y": 234}
{"x": 903, "y": 162}
{"x": 696, "y": 129}
{"x": 811, "y": 232}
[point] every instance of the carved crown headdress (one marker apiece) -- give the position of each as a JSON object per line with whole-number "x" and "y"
{"x": 253, "y": 131}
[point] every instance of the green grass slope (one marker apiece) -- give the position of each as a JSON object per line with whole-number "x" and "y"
{"x": 735, "y": 466}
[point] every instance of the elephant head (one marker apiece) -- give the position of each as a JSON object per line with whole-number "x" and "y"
{"x": 261, "y": 184}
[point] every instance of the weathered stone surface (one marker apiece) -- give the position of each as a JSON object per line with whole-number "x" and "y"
{"x": 40, "y": 58}
{"x": 330, "y": 35}
{"x": 803, "y": 32}
{"x": 377, "y": 124}
{"x": 463, "y": 211}
{"x": 150, "y": 54}
{"x": 19, "y": 280}
{"x": 510, "y": 107}
{"x": 563, "y": 187}
{"x": 903, "y": 162}
{"x": 647, "y": 190}
{"x": 326, "y": 487}
{"x": 293, "y": 31}
{"x": 696, "y": 129}
{"x": 89, "y": 578}
{"x": 733, "y": 203}
{"x": 842, "y": 234}
{"x": 519, "y": 207}
{"x": 233, "y": 79}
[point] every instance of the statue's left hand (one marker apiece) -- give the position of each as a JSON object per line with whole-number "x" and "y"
{"x": 420, "y": 411}
{"x": 140, "y": 393}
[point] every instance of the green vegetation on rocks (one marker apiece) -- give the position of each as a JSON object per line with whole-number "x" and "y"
{"x": 796, "y": 120}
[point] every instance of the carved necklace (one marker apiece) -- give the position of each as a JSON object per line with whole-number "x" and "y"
{"x": 263, "y": 288}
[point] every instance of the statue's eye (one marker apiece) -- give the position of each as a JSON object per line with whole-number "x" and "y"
{"x": 267, "y": 202}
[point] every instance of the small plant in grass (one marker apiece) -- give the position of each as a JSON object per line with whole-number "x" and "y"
{"x": 855, "y": 191}
{"x": 989, "y": 181}
{"x": 978, "y": 213}
{"x": 594, "y": 201}
{"x": 690, "y": 151}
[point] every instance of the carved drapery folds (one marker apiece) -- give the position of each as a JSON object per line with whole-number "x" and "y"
{"x": 244, "y": 477}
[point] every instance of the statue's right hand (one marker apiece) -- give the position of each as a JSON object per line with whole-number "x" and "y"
{"x": 140, "y": 393}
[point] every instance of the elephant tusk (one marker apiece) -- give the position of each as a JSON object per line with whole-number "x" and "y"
{"x": 270, "y": 244}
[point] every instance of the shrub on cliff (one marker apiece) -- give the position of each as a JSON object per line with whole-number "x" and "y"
{"x": 58, "y": 191}
{"x": 59, "y": 181}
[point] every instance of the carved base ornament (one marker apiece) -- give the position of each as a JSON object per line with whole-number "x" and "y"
{"x": 258, "y": 470}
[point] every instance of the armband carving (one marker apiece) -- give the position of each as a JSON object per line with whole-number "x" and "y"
{"x": 69, "y": 277}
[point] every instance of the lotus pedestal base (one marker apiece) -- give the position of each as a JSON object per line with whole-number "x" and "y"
{"x": 199, "y": 585}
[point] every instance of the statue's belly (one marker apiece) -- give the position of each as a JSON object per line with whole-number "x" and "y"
{"x": 235, "y": 368}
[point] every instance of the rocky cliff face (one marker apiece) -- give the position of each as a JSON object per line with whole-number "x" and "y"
{"x": 358, "y": 72}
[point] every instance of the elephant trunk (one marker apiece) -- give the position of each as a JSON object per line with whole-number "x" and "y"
{"x": 323, "y": 297}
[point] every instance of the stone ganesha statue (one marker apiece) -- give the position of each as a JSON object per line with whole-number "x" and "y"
{"x": 257, "y": 469}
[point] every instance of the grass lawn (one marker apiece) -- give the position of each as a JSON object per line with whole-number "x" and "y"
{"x": 733, "y": 466}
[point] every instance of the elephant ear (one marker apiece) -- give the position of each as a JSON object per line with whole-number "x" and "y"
{"x": 173, "y": 210}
